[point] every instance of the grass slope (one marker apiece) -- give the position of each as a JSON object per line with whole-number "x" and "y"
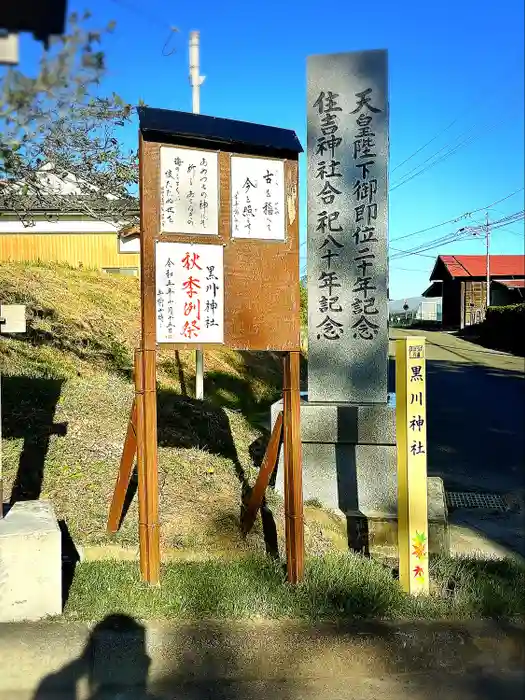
{"x": 67, "y": 394}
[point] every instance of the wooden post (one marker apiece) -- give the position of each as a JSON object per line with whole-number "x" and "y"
{"x": 293, "y": 478}
{"x": 148, "y": 229}
{"x": 411, "y": 427}
{"x": 125, "y": 471}
{"x": 263, "y": 478}
{"x": 141, "y": 471}
{"x": 150, "y": 464}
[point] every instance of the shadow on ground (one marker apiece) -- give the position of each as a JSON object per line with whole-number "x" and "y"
{"x": 239, "y": 393}
{"x": 191, "y": 423}
{"x": 479, "y": 336}
{"x": 70, "y": 559}
{"x": 253, "y": 662}
{"x": 185, "y": 422}
{"x": 28, "y": 410}
{"x": 257, "y": 385}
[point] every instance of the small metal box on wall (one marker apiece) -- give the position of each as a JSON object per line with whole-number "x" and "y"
{"x": 226, "y": 192}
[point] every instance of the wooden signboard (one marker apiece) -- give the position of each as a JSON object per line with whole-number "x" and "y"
{"x": 250, "y": 208}
{"x": 219, "y": 268}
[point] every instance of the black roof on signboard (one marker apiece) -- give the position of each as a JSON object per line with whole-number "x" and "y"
{"x": 203, "y": 131}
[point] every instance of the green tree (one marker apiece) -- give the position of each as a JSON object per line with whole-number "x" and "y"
{"x": 56, "y": 129}
{"x": 303, "y": 292}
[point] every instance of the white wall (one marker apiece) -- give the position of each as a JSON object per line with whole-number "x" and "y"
{"x": 129, "y": 245}
{"x": 72, "y": 226}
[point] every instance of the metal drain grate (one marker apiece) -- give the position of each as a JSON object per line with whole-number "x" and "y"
{"x": 466, "y": 499}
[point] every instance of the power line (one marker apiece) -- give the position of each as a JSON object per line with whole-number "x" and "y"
{"x": 451, "y": 238}
{"x": 458, "y": 218}
{"x": 480, "y": 97}
{"x": 408, "y": 269}
{"x": 407, "y": 177}
{"x": 499, "y": 223}
{"x": 436, "y": 153}
{"x": 400, "y": 250}
{"x": 137, "y": 9}
{"x": 454, "y": 121}
{"x": 462, "y": 234}
{"x": 154, "y": 19}
{"x": 442, "y": 131}
{"x": 420, "y": 250}
{"x": 514, "y": 233}
{"x": 428, "y": 245}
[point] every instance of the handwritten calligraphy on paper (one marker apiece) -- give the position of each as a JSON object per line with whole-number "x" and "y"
{"x": 188, "y": 191}
{"x": 257, "y": 198}
{"x": 190, "y": 293}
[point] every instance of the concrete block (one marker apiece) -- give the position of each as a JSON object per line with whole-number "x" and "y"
{"x": 30, "y": 563}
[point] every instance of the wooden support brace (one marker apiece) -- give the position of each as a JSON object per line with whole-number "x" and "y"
{"x": 263, "y": 478}
{"x": 125, "y": 471}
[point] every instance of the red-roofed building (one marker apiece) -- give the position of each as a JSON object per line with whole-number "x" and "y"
{"x": 461, "y": 281}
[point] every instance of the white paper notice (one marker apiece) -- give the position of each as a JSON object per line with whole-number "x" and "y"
{"x": 188, "y": 191}
{"x": 257, "y": 198}
{"x": 190, "y": 293}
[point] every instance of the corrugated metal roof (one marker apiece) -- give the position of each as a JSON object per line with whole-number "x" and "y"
{"x": 513, "y": 284}
{"x": 476, "y": 265}
{"x": 66, "y": 204}
{"x": 185, "y": 125}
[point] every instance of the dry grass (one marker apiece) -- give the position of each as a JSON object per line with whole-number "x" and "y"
{"x": 67, "y": 398}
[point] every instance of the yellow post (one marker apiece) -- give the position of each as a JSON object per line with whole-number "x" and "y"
{"x": 411, "y": 426}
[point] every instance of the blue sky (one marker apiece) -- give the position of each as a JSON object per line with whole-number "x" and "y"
{"x": 458, "y": 62}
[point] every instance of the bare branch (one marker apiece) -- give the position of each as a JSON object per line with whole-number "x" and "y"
{"x": 59, "y": 144}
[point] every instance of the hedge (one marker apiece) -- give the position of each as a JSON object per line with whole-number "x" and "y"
{"x": 504, "y": 328}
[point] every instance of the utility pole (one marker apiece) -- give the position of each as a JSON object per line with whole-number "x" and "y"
{"x": 487, "y": 235}
{"x": 476, "y": 230}
{"x": 196, "y": 80}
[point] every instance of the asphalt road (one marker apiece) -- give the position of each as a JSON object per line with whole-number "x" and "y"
{"x": 475, "y": 413}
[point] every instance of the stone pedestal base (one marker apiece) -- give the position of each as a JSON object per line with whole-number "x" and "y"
{"x": 350, "y": 465}
{"x": 378, "y": 536}
{"x": 30, "y": 563}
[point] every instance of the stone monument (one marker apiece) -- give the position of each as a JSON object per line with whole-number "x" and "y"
{"x": 348, "y": 417}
